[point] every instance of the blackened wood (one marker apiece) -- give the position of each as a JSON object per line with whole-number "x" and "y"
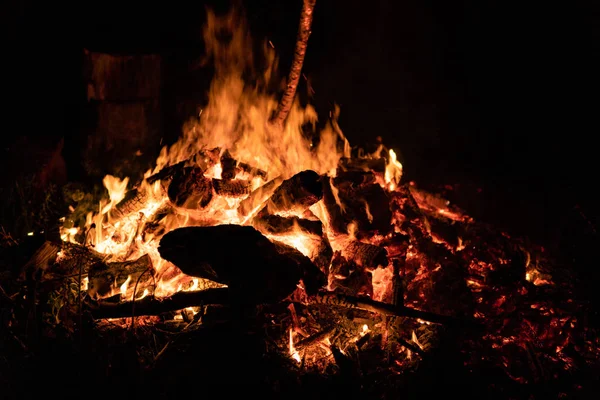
{"x": 367, "y": 206}
{"x": 258, "y": 197}
{"x": 285, "y": 104}
{"x": 295, "y": 195}
{"x": 104, "y": 278}
{"x": 367, "y": 304}
{"x": 155, "y": 225}
{"x": 43, "y": 258}
{"x": 190, "y": 188}
{"x": 231, "y": 188}
{"x": 237, "y": 256}
{"x": 364, "y": 254}
{"x": 278, "y": 225}
{"x": 312, "y": 276}
{"x": 133, "y": 201}
{"x": 154, "y": 306}
{"x": 362, "y": 164}
{"x": 228, "y": 166}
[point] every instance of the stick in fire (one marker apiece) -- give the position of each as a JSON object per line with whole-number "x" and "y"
{"x": 285, "y": 104}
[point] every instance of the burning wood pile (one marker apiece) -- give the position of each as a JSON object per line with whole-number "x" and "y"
{"x": 344, "y": 268}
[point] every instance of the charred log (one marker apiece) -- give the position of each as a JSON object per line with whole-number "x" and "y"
{"x": 190, "y": 188}
{"x": 346, "y": 277}
{"x": 295, "y": 194}
{"x": 258, "y": 197}
{"x": 156, "y": 306}
{"x": 376, "y": 165}
{"x": 277, "y": 225}
{"x": 256, "y": 268}
{"x": 231, "y": 188}
{"x": 366, "y": 206}
{"x": 364, "y": 254}
{"x": 132, "y": 202}
{"x": 228, "y": 165}
{"x": 155, "y": 225}
{"x": 365, "y": 303}
{"x": 105, "y": 278}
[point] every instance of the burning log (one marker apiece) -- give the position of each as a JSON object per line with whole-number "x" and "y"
{"x": 132, "y": 202}
{"x": 231, "y": 188}
{"x": 295, "y": 195}
{"x": 364, "y": 254}
{"x": 154, "y": 226}
{"x": 231, "y": 167}
{"x": 285, "y": 104}
{"x": 190, "y": 188}
{"x": 357, "y": 164}
{"x": 258, "y": 197}
{"x": 257, "y": 269}
{"x": 348, "y": 278}
{"x": 366, "y": 206}
{"x": 277, "y": 225}
{"x": 104, "y": 279}
{"x": 228, "y": 165}
{"x": 155, "y": 306}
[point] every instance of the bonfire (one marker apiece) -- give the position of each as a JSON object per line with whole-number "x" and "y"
{"x": 341, "y": 267}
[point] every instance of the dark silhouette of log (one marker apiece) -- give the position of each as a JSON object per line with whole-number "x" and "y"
{"x": 295, "y": 195}
{"x": 154, "y": 306}
{"x": 189, "y": 188}
{"x": 285, "y": 104}
{"x": 104, "y": 278}
{"x": 231, "y": 188}
{"x": 238, "y": 256}
{"x": 258, "y": 197}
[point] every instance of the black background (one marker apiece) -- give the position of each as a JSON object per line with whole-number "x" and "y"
{"x": 497, "y": 96}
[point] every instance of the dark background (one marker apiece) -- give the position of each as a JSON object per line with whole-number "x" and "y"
{"x": 499, "y": 97}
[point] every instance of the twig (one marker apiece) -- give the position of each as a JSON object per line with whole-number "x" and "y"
{"x": 285, "y": 104}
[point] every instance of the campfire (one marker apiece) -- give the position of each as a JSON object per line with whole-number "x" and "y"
{"x": 344, "y": 268}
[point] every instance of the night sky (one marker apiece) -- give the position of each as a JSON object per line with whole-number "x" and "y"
{"x": 497, "y": 96}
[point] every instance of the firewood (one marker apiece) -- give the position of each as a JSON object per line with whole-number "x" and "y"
{"x": 362, "y": 164}
{"x": 154, "y": 306}
{"x": 285, "y": 104}
{"x": 133, "y": 201}
{"x": 295, "y": 194}
{"x": 258, "y": 197}
{"x": 41, "y": 260}
{"x": 312, "y": 276}
{"x": 155, "y": 226}
{"x": 231, "y": 188}
{"x": 190, "y": 188}
{"x": 237, "y": 256}
{"x": 364, "y": 254}
{"x": 367, "y": 304}
{"x": 277, "y": 225}
{"x": 230, "y": 167}
{"x": 104, "y": 278}
{"x": 166, "y": 173}
{"x": 346, "y": 277}
{"x": 228, "y": 164}
{"x": 366, "y": 206}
